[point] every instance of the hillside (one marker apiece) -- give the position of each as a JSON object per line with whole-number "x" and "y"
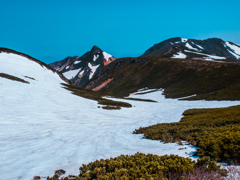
{"x": 9, "y": 52}
{"x": 178, "y": 77}
{"x": 81, "y": 69}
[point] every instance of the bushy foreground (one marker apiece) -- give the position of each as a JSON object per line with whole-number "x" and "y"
{"x": 153, "y": 167}
{"x": 215, "y": 131}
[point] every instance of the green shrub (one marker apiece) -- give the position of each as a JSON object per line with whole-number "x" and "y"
{"x": 141, "y": 166}
{"x": 215, "y": 131}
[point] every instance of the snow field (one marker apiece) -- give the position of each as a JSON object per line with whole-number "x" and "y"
{"x": 44, "y": 127}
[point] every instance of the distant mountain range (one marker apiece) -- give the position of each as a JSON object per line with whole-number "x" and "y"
{"x": 81, "y": 69}
{"x": 179, "y": 66}
{"x": 209, "y": 49}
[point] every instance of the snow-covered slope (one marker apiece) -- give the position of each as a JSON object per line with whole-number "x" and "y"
{"x": 80, "y": 69}
{"x": 209, "y": 49}
{"x": 43, "y": 127}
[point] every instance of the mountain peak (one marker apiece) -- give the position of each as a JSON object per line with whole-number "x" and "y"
{"x": 95, "y": 49}
{"x": 80, "y": 69}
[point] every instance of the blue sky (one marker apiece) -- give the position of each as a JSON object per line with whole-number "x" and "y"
{"x": 51, "y": 30}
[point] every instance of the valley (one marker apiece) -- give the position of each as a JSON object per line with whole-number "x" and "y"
{"x": 99, "y": 107}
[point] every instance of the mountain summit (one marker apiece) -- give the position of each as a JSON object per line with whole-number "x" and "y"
{"x": 81, "y": 69}
{"x": 209, "y": 49}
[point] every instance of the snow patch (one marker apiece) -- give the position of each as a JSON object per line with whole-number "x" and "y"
{"x": 76, "y": 62}
{"x": 95, "y": 57}
{"x": 199, "y": 46}
{"x": 81, "y": 73}
{"x": 235, "y": 49}
{"x": 211, "y": 56}
{"x": 184, "y": 39}
{"x": 106, "y": 55}
{"x": 190, "y": 47}
{"x": 67, "y": 67}
{"x": 179, "y": 55}
{"x": 71, "y": 74}
{"x": 93, "y": 69}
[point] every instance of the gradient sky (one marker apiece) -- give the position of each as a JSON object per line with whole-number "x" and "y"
{"x": 51, "y": 30}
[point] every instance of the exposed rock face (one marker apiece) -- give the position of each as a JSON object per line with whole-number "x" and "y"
{"x": 210, "y": 49}
{"x": 102, "y": 85}
{"x": 81, "y": 69}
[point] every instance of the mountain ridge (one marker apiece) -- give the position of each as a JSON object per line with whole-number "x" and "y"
{"x": 81, "y": 69}
{"x": 178, "y": 78}
{"x": 211, "y": 49}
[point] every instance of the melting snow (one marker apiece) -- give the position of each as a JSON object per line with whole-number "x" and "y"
{"x": 190, "y": 47}
{"x": 43, "y": 127}
{"x": 93, "y": 69}
{"x": 76, "y": 62}
{"x": 211, "y": 56}
{"x": 95, "y": 57}
{"x": 71, "y": 74}
{"x": 106, "y": 55}
{"x": 199, "y": 46}
{"x": 235, "y": 49}
{"x": 184, "y": 39}
{"x": 81, "y": 73}
{"x": 179, "y": 55}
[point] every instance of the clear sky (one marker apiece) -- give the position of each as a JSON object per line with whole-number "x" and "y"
{"x": 51, "y": 30}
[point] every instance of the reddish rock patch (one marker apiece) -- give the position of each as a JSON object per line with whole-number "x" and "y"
{"x": 102, "y": 85}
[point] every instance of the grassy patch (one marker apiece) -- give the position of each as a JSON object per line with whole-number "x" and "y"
{"x": 178, "y": 77}
{"x": 89, "y": 94}
{"x": 215, "y": 131}
{"x": 29, "y": 77}
{"x": 13, "y": 78}
{"x": 137, "y": 99}
{"x": 141, "y": 166}
{"x": 111, "y": 107}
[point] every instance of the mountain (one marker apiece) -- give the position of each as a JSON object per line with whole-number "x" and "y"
{"x": 81, "y": 69}
{"x": 177, "y": 78}
{"x": 209, "y": 49}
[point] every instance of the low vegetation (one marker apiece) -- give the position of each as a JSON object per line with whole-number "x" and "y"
{"x": 89, "y": 94}
{"x": 215, "y": 131}
{"x": 13, "y": 78}
{"x": 178, "y": 77}
{"x": 141, "y": 166}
